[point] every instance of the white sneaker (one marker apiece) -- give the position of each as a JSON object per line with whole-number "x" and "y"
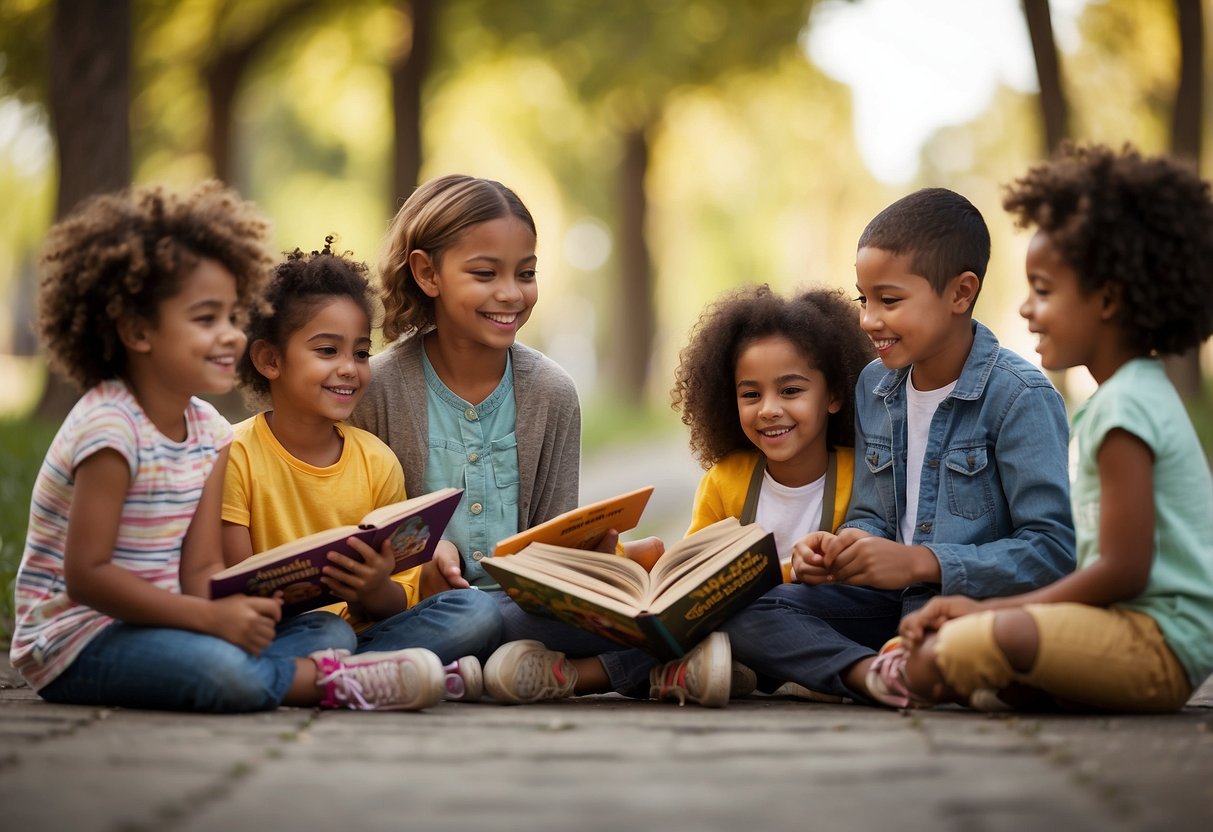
{"x": 801, "y": 692}
{"x": 522, "y": 672}
{"x": 742, "y": 681}
{"x": 406, "y": 680}
{"x": 464, "y": 680}
{"x": 704, "y": 675}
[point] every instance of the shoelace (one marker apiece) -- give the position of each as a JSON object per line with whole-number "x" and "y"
{"x": 534, "y": 677}
{"x": 890, "y": 668}
{"x": 350, "y": 685}
{"x": 673, "y": 682}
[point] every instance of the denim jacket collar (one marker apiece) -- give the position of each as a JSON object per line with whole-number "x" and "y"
{"x": 973, "y": 376}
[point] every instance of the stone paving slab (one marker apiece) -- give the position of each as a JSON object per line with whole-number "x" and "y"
{"x": 601, "y": 763}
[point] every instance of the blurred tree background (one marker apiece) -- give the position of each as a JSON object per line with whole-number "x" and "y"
{"x": 669, "y": 149}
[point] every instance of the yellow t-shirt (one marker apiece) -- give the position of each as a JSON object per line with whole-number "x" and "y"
{"x": 281, "y": 498}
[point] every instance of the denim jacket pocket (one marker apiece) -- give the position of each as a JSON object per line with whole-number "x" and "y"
{"x": 968, "y": 482}
{"x": 878, "y": 456}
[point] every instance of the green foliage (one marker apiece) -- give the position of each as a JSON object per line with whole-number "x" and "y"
{"x": 608, "y": 421}
{"x": 23, "y": 444}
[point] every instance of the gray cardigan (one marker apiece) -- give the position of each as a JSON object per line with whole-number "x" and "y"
{"x": 548, "y": 425}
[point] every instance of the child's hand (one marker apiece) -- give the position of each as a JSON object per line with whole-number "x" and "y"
{"x": 881, "y": 563}
{"x": 245, "y": 621}
{"x": 443, "y": 572}
{"x": 915, "y": 626}
{"x": 368, "y": 583}
{"x": 645, "y": 551}
{"x": 808, "y": 558}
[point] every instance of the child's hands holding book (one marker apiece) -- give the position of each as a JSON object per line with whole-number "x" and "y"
{"x": 245, "y": 621}
{"x": 645, "y": 551}
{"x": 368, "y": 585}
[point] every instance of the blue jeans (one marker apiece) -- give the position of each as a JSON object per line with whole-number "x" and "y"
{"x": 627, "y": 667}
{"x": 179, "y": 670}
{"x": 454, "y": 624}
{"x": 811, "y": 634}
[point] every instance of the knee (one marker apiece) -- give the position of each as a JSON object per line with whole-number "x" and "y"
{"x": 235, "y": 682}
{"x": 479, "y": 616}
{"x": 1016, "y": 635}
{"x": 322, "y": 630}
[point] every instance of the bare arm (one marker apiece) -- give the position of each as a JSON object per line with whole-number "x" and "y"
{"x": 202, "y": 552}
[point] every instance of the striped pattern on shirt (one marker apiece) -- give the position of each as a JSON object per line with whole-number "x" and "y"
{"x": 167, "y": 478}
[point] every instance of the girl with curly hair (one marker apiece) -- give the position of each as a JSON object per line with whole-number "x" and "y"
{"x": 767, "y": 387}
{"x": 1120, "y": 273}
{"x": 139, "y": 303}
{"x": 297, "y": 469}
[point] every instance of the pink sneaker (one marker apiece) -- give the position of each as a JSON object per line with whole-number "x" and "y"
{"x": 406, "y": 680}
{"x": 886, "y": 679}
{"x": 464, "y": 680}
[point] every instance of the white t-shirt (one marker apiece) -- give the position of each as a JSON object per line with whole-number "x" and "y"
{"x": 920, "y": 410}
{"x": 789, "y": 513}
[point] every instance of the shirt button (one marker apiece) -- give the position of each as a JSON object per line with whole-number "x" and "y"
{"x": 470, "y": 414}
{"x": 476, "y": 508}
{"x": 932, "y": 463}
{"x": 924, "y": 527}
{"x": 473, "y": 457}
{"x": 477, "y": 555}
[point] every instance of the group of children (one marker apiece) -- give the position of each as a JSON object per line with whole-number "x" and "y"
{"x": 921, "y": 502}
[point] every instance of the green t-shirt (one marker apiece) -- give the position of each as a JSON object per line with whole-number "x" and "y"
{"x": 1139, "y": 399}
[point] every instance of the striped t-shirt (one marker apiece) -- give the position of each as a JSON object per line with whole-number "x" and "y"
{"x": 166, "y": 483}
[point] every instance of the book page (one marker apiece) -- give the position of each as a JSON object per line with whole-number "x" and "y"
{"x": 708, "y": 560}
{"x": 690, "y": 547}
{"x": 386, "y": 514}
{"x": 607, "y": 584}
{"x": 302, "y": 544}
{"x": 584, "y": 526}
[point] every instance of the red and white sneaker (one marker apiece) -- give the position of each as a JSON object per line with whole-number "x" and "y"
{"x": 704, "y": 675}
{"x": 522, "y": 672}
{"x": 886, "y": 679}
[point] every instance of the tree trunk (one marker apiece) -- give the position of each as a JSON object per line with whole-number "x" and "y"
{"x": 1053, "y": 108}
{"x": 634, "y": 325}
{"x": 89, "y": 97}
{"x": 1186, "y": 119}
{"x": 409, "y": 71}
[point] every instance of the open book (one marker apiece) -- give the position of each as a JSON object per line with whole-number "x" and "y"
{"x": 414, "y": 527}
{"x": 693, "y": 587}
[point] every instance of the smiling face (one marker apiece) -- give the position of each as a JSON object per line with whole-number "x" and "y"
{"x": 324, "y": 368}
{"x": 193, "y": 346}
{"x": 1068, "y": 322}
{"x": 784, "y": 407}
{"x": 483, "y": 286}
{"x": 909, "y": 322}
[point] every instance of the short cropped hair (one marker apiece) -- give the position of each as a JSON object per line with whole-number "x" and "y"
{"x": 121, "y": 255}
{"x": 823, "y": 325}
{"x": 941, "y": 231}
{"x": 1144, "y": 224}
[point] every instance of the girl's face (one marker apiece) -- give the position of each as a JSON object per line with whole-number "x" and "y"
{"x": 324, "y": 367}
{"x": 194, "y": 344}
{"x": 1067, "y": 321}
{"x": 485, "y": 286}
{"x": 784, "y": 407}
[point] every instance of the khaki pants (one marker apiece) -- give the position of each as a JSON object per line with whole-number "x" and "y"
{"x": 1106, "y": 658}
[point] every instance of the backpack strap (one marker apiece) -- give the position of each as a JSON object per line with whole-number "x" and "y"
{"x": 827, "y": 497}
{"x": 750, "y": 509}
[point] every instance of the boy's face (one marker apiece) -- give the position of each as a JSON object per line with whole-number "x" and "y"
{"x": 909, "y": 322}
{"x": 1066, "y": 320}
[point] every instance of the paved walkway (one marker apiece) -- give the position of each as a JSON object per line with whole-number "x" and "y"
{"x": 602, "y": 763}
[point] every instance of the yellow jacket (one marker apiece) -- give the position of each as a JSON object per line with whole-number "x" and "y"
{"x": 724, "y": 488}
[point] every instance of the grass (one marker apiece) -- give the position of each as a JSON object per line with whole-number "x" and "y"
{"x": 23, "y": 444}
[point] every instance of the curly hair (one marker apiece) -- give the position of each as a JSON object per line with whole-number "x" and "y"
{"x": 823, "y": 324}
{"x": 297, "y": 287}
{"x": 432, "y": 220}
{"x": 121, "y": 255}
{"x": 1144, "y": 224}
{"x": 943, "y": 233}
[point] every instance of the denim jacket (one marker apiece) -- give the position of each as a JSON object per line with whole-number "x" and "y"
{"x": 994, "y": 500}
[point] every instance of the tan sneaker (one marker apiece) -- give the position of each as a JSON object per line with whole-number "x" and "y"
{"x": 464, "y": 680}
{"x": 405, "y": 680}
{"x": 704, "y": 675}
{"x": 742, "y": 681}
{"x": 522, "y": 672}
